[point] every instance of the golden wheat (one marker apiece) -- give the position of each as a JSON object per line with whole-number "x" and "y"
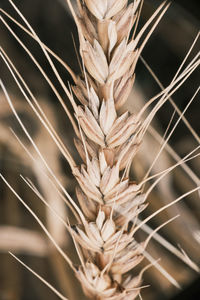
{"x": 107, "y": 140}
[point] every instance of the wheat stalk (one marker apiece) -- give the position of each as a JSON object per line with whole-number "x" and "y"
{"x": 107, "y": 141}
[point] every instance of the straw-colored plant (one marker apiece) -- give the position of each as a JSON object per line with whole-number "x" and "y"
{"x": 107, "y": 141}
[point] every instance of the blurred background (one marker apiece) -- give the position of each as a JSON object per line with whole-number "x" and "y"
{"x": 19, "y": 232}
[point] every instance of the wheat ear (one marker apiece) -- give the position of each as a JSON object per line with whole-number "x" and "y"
{"x": 107, "y": 141}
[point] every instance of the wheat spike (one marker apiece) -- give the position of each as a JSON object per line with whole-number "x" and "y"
{"x": 107, "y": 141}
